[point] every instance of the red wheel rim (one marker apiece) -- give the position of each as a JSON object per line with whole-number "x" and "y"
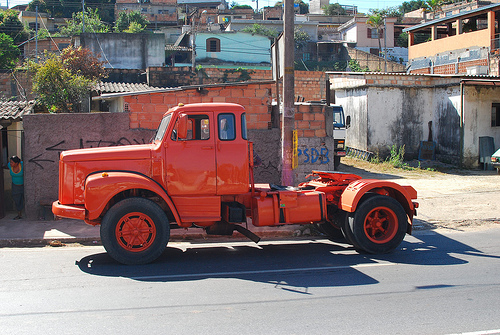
{"x": 135, "y": 232}
{"x": 381, "y": 225}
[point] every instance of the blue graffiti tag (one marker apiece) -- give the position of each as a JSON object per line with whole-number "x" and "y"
{"x": 313, "y": 155}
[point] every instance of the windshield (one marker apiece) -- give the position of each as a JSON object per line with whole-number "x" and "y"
{"x": 162, "y": 128}
{"x": 338, "y": 117}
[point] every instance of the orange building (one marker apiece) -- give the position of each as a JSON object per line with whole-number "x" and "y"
{"x": 463, "y": 43}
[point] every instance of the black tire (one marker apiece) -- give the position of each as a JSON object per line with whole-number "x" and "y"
{"x": 378, "y": 226}
{"x": 334, "y": 234}
{"x": 336, "y": 162}
{"x": 135, "y": 231}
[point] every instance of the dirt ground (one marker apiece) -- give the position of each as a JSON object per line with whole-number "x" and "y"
{"x": 450, "y": 198}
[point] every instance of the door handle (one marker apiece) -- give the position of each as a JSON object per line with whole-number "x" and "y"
{"x": 207, "y": 148}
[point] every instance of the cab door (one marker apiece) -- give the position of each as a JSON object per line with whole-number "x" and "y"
{"x": 190, "y": 162}
{"x": 232, "y": 154}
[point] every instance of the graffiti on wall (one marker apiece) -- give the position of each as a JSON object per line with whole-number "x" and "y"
{"x": 314, "y": 155}
{"x": 42, "y": 158}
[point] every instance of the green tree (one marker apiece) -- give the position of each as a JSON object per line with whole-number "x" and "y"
{"x": 258, "y": 29}
{"x": 10, "y": 25}
{"x": 433, "y": 6}
{"x": 402, "y": 40}
{"x": 388, "y": 12}
{"x": 135, "y": 28}
{"x": 334, "y": 9}
{"x": 93, "y": 23}
{"x": 237, "y": 6}
{"x": 300, "y": 38}
{"x": 9, "y": 53}
{"x": 126, "y": 20}
{"x": 376, "y": 20}
{"x": 62, "y": 82}
{"x": 410, "y": 6}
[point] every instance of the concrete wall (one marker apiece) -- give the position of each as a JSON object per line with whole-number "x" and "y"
{"x": 382, "y": 117}
{"x": 46, "y": 135}
{"x": 477, "y": 122}
{"x": 235, "y": 47}
{"x": 391, "y": 110}
{"x": 126, "y": 51}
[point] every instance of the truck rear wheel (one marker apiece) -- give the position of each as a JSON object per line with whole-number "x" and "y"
{"x": 378, "y": 226}
{"x": 135, "y": 231}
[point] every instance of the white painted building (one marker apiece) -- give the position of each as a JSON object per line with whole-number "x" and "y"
{"x": 453, "y": 112}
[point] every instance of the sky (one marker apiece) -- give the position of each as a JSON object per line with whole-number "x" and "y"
{"x": 363, "y": 5}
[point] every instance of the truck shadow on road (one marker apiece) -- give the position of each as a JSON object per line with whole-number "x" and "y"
{"x": 292, "y": 264}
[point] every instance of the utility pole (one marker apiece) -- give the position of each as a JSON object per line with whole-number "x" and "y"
{"x": 83, "y": 16}
{"x": 385, "y": 44}
{"x": 36, "y": 34}
{"x": 193, "y": 47}
{"x": 288, "y": 112}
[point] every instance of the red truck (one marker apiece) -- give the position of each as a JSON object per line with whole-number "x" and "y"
{"x": 198, "y": 172}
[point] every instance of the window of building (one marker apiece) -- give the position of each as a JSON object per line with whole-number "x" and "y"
{"x": 495, "y": 115}
{"x": 373, "y": 33}
{"x": 213, "y": 45}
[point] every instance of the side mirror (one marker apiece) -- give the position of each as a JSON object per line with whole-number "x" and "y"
{"x": 348, "y": 121}
{"x": 182, "y": 127}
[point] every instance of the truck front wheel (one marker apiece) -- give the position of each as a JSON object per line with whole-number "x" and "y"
{"x": 135, "y": 231}
{"x": 378, "y": 226}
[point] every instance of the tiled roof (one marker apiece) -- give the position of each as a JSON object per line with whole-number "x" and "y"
{"x": 122, "y": 87}
{"x": 15, "y": 110}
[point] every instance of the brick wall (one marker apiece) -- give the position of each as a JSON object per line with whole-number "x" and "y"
{"x": 310, "y": 120}
{"x": 146, "y": 110}
{"x": 308, "y": 84}
{"x": 15, "y": 84}
{"x": 451, "y": 68}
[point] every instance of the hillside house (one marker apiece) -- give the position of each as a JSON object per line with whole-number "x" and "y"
{"x": 366, "y": 37}
{"x": 223, "y": 47}
{"x": 157, "y": 12}
{"x": 464, "y": 43}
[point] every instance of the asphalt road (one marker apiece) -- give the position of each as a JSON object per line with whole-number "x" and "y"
{"x": 436, "y": 283}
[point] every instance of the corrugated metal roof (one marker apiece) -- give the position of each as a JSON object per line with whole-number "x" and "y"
{"x": 123, "y": 87}
{"x": 15, "y": 110}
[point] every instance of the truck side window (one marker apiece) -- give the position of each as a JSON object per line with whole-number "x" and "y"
{"x": 198, "y": 128}
{"x": 244, "y": 126}
{"x": 226, "y": 127}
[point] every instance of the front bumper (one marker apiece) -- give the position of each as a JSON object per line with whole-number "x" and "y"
{"x": 68, "y": 211}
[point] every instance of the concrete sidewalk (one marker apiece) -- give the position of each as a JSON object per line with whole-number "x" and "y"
{"x": 24, "y": 233}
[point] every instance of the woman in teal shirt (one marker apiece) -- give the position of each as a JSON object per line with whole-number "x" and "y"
{"x": 16, "y": 172}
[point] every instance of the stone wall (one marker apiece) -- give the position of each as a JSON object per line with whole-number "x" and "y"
{"x": 373, "y": 62}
